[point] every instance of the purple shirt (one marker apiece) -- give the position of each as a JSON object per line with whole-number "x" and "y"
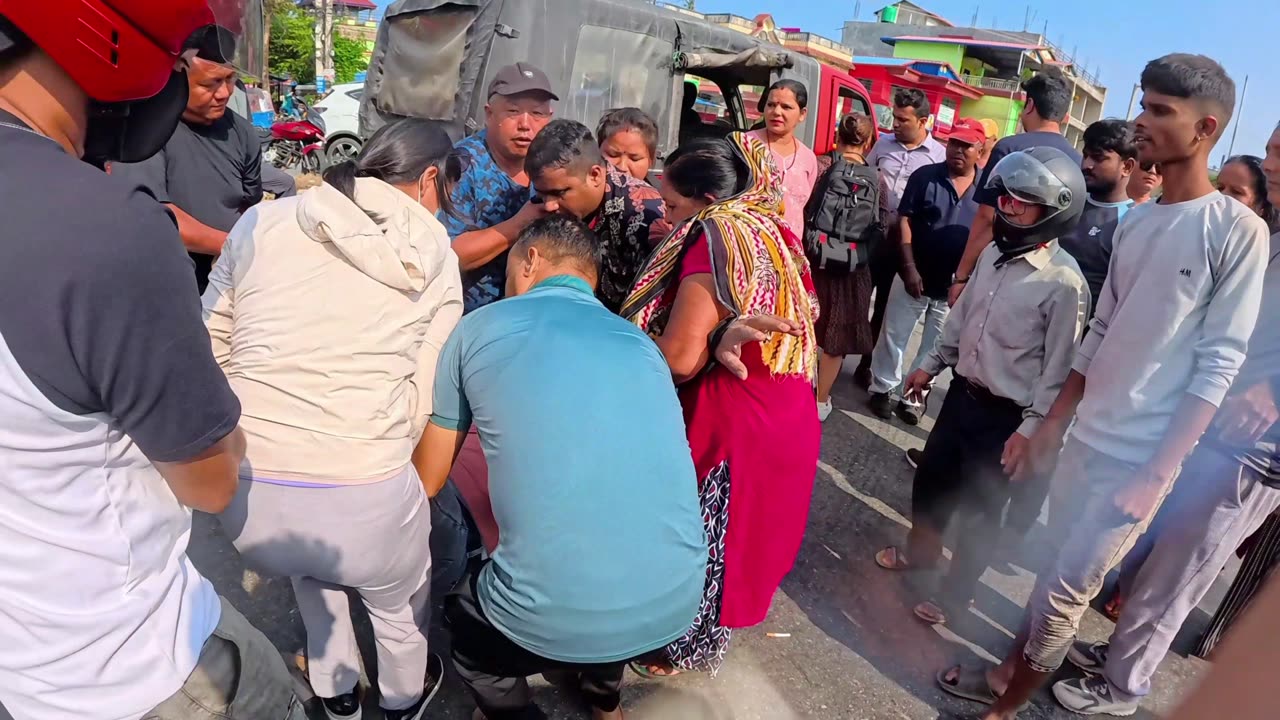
{"x": 799, "y": 172}
{"x": 896, "y": 162}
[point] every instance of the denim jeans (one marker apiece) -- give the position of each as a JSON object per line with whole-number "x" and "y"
{"x": 1092, "y": 534}
{"x": 240, "y": 676}
{"x": 453, "y": 538}
{"x": 901, "y": 316}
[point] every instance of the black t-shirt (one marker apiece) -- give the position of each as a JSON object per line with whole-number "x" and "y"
{"x": 213, "y": 172}
{"x": 96, "y": 302}
{"x": 1014, "y": 143}
{"x": 940, "y": 221}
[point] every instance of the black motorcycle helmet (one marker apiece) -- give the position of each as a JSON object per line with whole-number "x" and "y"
{"x": 1040, "y": 176}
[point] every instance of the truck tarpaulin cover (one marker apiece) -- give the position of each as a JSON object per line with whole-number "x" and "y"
{"x": 753, "y": 58}
{"x": 432, "y": 58}
{"x": 428, "y": 54}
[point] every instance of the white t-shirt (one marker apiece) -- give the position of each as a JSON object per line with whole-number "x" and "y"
{"x": 105, "y": 366}
{"x": 1174, "y": 317}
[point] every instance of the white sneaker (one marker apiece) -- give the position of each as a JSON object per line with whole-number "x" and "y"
{"x": 824, "y": 411}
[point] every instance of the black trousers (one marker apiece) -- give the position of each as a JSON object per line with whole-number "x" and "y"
{"x": 495, "y": 669}
{"x": 960, "y": 480}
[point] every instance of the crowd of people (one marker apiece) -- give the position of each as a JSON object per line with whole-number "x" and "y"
{"x": 434, "y": 378}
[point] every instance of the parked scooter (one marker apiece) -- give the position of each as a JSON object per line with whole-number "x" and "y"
{"x": 298, "y": 143}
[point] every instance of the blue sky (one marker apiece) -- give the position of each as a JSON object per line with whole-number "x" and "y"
{"x": 1115, "y": 38}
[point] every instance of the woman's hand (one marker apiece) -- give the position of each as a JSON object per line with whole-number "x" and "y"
{"x": 743, "y": 330}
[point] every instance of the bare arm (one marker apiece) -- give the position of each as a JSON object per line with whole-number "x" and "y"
{"x": 904, "y": 241}
{"x": 695, "y": 314}
{"x": 207, "y": 482}
{"x": 196, "y": 236}
{"x": 434, "y": 455}
{"x": 477, "y": 247}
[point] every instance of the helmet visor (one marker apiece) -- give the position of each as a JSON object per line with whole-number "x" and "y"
{"x": 235, "y": 38}
{"x": 1027, "y": 179}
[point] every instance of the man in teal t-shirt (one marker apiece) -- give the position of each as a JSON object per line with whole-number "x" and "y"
{"x": 602, "y": 555}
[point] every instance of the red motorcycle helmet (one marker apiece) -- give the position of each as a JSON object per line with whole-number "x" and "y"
{"x": 127, "y": 56}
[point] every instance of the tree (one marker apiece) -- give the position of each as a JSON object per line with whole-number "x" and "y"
{"x": 292, "y": 48}
{"x": 348, "y": 58}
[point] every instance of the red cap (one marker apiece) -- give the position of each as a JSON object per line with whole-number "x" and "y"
{"x": 968, "y": 131}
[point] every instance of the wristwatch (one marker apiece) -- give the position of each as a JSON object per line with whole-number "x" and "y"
{"x": 957, "y": 280}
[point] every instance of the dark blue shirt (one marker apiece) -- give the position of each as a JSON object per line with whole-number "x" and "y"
{"x": 1016, "y": 143}
{"x": 483, "y": 197}
{"x": 940, "y": 220}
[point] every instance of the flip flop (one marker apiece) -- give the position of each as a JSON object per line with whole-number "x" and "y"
{"x": 891, "y": 558}
{"x": 930, "y": 612}
{"x": 647, "y": 671}
{"x": 969, "y": 684}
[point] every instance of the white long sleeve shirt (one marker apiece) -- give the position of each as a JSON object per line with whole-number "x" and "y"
{"x": 328, "y": 325}
{"x": 1176, "y": 311}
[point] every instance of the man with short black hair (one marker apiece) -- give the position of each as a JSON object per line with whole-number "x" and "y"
{"x": 1110, "y": 158}
{"x": 1043, "y": 117}
{"x": 576, "y": 486}
{"x": 1226, "y": 489}
{"x": 210, "y": 171}
{"x": 491, "y": 200}
{"x": 572, "y": 177}
{"x": 1178, "y": 306}
{"x": 897, "y": 158}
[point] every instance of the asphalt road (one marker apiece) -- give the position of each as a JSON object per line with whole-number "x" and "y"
{"x": 840, "y": 641}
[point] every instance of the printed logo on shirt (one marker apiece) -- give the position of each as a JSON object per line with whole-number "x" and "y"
{"x": 1185, "y": 272}
{"x": 1093, "y": 231}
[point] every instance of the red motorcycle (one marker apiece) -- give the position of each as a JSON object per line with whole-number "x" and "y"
{"x": 298, "y": 143}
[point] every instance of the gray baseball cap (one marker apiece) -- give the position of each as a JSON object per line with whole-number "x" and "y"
{"x": 521, "y": 78}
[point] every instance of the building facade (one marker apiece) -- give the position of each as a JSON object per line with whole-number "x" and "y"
{"x": 991, "y": 63}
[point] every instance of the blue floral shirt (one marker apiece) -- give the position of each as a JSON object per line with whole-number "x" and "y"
{"x": 483, "y": 197}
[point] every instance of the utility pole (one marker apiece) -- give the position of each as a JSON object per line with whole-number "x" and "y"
{"x": 1239, "y": 111}
{"x": 1133, "y": 101}
{"x": 324, "y": 43}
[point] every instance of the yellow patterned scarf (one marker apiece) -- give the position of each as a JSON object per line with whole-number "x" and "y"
{"x": 758, "y": 265}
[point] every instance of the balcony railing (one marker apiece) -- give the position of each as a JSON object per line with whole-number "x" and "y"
{"x": 820, "y": 41}
{"x": 730, "y": 19}
{"x": 996, "y": 84}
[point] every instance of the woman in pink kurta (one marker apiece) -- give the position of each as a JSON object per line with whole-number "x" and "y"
{"x": 755, "y": 442}
{"x": 785, "y": 107}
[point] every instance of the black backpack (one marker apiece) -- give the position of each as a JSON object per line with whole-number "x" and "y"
{"x": 842, "y": 220}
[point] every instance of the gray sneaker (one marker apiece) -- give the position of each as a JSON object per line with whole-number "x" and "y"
{"x": 1092, "y": 696}
{"x": 1089, "y": 657}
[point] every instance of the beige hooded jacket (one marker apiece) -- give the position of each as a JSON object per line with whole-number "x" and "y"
{"x": 328, "y": 325}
